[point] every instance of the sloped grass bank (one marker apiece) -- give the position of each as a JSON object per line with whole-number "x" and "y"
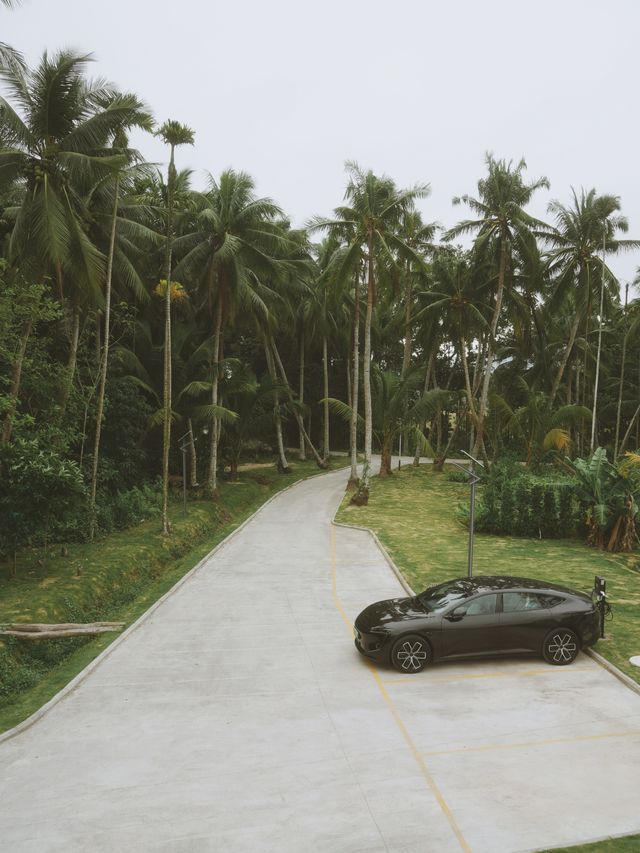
{"x": 413, "y": 513}
{"x": 627, "y": 844}
{"x": 116, "y": 578}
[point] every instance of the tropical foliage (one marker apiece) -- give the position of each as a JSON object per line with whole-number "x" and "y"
{"x": 142, "y": 317}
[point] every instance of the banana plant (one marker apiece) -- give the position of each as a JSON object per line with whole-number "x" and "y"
{"x": 609, "y": 494}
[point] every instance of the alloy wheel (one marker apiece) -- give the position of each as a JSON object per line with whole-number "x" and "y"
{"x": 410, "y": 654}
{"x": 561, "y": 647}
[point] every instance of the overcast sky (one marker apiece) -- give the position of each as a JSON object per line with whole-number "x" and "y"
{"x": 416, "y": 89}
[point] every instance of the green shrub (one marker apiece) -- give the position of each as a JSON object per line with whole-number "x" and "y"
{"x": 508, "y": 518}
{"x": 566, "y": 513}
{"x": 522, "y": 518}
{"x": 536, "y": 510}
{"x": 515, "y": 502}
{"x": 457, "y": 477}
{"x": 550, "y": 523}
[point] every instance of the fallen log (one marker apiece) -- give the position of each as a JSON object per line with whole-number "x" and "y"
{"x": 42, "y": 631}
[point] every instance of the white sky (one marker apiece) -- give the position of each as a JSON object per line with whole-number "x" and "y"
{"x": 419, "y": 90}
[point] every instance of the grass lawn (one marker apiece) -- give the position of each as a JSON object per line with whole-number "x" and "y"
{"x": 413, "y": 512}
{"x": 116, "y": 578}
{"x": 628, "y": 844}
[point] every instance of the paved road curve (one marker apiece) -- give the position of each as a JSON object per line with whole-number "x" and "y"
{"x": 259, "y": 728}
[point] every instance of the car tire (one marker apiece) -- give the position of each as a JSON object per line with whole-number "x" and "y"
{"x": 411, "y": 654}
{"x": 561, "y": 647}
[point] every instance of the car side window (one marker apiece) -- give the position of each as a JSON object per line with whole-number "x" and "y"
{"x": 484, "y": 605}
{"x": 512, "y": 602}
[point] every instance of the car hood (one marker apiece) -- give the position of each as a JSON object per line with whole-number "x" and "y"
{"x": 392, "y": 610}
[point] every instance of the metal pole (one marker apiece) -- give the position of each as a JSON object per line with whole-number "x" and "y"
{"x": 472, "y": 512}
{"x": 183, "y": 447}
{"x": 595, "y": 390}
{"x": 184, "y": 478}
{"x": 473, "y": 479}
{"x": 399, "y": 451}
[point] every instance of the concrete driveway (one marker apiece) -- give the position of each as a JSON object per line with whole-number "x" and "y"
{"x": 239, "y": 717}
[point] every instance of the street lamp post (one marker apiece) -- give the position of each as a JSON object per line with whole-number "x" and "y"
{"x": 473, "y": 481}
{"x": 184, "y": 446}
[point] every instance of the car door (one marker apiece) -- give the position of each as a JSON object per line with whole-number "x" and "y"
{"x": 524, "y": 621}
{"x": 471, "y": 628}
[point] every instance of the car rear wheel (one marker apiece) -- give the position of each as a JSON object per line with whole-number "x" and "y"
{"x": 410, "y": 653}
{"x": 561, "y": 647}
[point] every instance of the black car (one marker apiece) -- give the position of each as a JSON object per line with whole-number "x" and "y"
{"x": 478, "y": 617}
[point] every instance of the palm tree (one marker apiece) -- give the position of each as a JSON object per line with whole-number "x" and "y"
{"x": 9, "y": 56}
{"x": 582, "y": 230}
{"x": 128, "y": 273}
{"x": 371, "y": 222}
{"x": 503, "y": 231}
{"x": 454, "y": 299}
{"x": 419, "y": 236}
{"x": 250, "y": 400}
{"x": 398, "y": 406}
{"x": 540, "y": 425}
{"x": 631, "y": 316}
{"x": 230, "y": 252}
{"x": 55, "y": 144}
{"x": 173, "y": 134}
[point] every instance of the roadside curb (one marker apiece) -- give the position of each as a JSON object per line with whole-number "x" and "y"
{"x": 95, "y": 663}
{"x": 381, "y": 547}
{"x": 604, "y": 663}
{"x": 618, "y": 673}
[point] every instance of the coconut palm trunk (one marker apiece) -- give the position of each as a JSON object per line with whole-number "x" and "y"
{"x": 280, "y": 368}
{"x": 565, "y": 357}
{"x": 636, "y": 417}
{"x": 427, "y": 381}
{"x": 104, "y": 363}
{"x": 355, "y": 385}
{"x": 326, "y": 451}
{"x": 620, "y": 388}
{"x": 408, "y": 340}
{"x": 385, "y": 455}
{"x": 488, "y": 367}
{"x": 599, "y": 352}
{"x": 303, "y": 450}
{"x": 16, "y": 375}
{"x": 366, "y": 371}
{"x": 212, "y": 477}
{"x": 283, "y": 465}
{"x": 72, "y": 360}
{"x": 166, "y": 423}
{"x": 173, "y": 134}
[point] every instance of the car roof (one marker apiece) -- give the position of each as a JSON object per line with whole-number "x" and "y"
{"x": 498, "y": 583}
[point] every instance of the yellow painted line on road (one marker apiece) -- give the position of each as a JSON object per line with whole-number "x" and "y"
{"x": 498, "y": 746}
{"x": 519, "y": 673}
{"x": 394, "y": 711}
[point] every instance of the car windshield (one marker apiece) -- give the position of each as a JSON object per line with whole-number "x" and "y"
{"x": 438, "y": 597}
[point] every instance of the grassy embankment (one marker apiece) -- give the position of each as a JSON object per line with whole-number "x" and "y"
{"x": 628, "y": 844}
{"x": 116, "y": 578}
{"x": 413, "y": 513}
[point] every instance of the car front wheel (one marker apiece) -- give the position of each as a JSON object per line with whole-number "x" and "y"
{"x": 410, "y": 653}
{"x": 561, "y": 647}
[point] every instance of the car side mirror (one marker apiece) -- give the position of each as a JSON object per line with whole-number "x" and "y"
{"x": 454, "y": 617}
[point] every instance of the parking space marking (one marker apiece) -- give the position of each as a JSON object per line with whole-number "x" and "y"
{"x": 392, "y": 708}
{"x": 491, "y": 747}
{"x": 519, "y": 673}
